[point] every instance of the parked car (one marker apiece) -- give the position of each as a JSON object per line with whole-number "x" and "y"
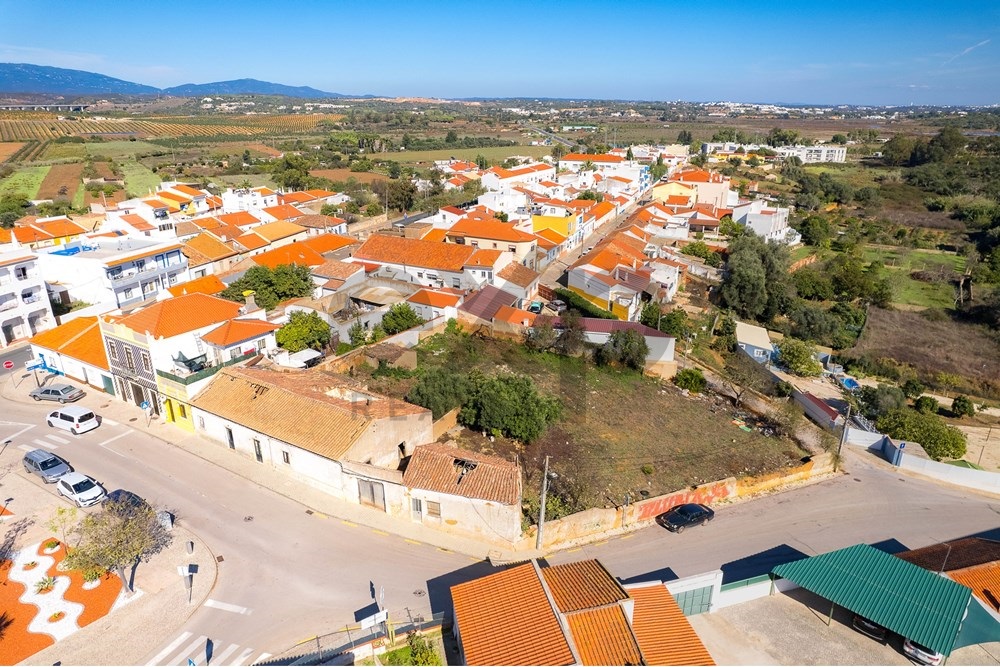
{"x": 81, "y": 489}
{"x": 46, "y": 465}
{"x": 557, "y": 305}
{"x": 535, "y": 307}
{"x": 64, "y": 393}
{"x": 870, "y": 628}
{"x": 74, "y": 419}
{"x": 678, "y": 518}
{"x": 921, "y": 653}
{"x": 125, "y": 500}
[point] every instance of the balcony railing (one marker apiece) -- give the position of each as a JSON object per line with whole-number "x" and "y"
{"x": 205, "y": 372}
{"x": 31, "y": 299}
{"x": 7, "y": 305}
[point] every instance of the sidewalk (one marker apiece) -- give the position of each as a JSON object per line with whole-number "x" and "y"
{"x": 265, "y": 476}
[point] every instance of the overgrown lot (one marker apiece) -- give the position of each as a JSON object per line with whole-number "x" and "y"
{"x": 619, "y": 432}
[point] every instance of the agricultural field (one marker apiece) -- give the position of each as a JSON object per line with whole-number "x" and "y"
{"x": 344, "y": 174}
{"x": 856, "y": 175}
{"x": 124, "y": 149}
{"x": 619, "y": 431}
{"x": 8, "y": 148}
{"x": 24, "y": 182}
{"x": 139, "y": 179}
{"x": 60, "y": 151}
{"x": 261, "y": 149}
{"x": 492, "y": 153}
{"x": 62, "y": 181}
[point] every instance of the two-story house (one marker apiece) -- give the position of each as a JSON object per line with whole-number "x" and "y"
{"x": 24, "y": 303}
{"x": 488, "y": 233}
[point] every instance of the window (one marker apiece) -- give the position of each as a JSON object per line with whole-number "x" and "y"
{"x": 129, "y": 361}
{"x": 456, "y": 283}
{"x": 128, "y": 292}
{"x": 420, "y": 274}
{"x": 146, "y": 365}
{"x": 259, "y": 345}
{"x": 433, "y": 509}
{"x": 284, "y": 457}
{"x": 201, "y": 422}
{"x": 475, "y": 244}
{"x": 511, "y": 248}
{"x": 112, "y": 351}
{"x": 182, "y": 411}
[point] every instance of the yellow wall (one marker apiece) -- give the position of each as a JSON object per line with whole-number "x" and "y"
{"x": 172, "y": 409}
{"x": 565, "y": 225}
{"x": 663, "y": 190}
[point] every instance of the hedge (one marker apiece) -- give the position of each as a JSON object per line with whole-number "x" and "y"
{"x": 577, "y": 302}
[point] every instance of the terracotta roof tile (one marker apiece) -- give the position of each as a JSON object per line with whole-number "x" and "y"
{"x": 59, "y": 227}
{"x": 209, "y": 284}
{"x": 137, "y": 223}
{"x": 435, "y": 234}
{"x": 954, "y": 555}
{"x": 251, "y": 241}
{"x": 324, "y": 243}
{"x": 78, "y": 339}
{"x": 435, "y": 299}
{"x": 25, "y": 235}
{"x": 283, "y": 212}
{"x": 603, "y": 637}
{"x": 458, "y": 472}
{"x": 984, "y": 580}
{"x": 518, "y": 274}
{"x": 234, "y": 332}
{"x": 320, "y": 194}
{"x": 239, "y": 218}
{"x": 173, "y": 197}
{"x": 583, "y": 584}
{"x": 295, "y": 198}
{"x": 490, "y": 228}
{"x": 336, "y": 269}
{"x": 319, "y": 412}
{"x": 414, "y": 252}
{"x": 506, "y": 619}
{"x": 664, "y": 633}
{"x": 319, "y": 221}
{"x": 484, "y": 258}
{"x": 208, "y": 246}
{"x": 181, "y": 314}
{"x": 293, "y": 253}
{"x": 551, "y": 235}
{"x": 583, "y": 157}
{"x": 275, "y": 231}
{"x": 513, "y": 315}
{"x": 188, "y": 190}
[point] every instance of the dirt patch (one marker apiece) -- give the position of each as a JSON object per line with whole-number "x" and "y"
{"x": 263, "y": 149}
{"x": 8, "y": 148}
{"x": 61, "y": 181}
{"x": 344, "y": 174}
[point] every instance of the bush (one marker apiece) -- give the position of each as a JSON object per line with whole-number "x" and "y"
{"x": 799, "y": 356}
{"x": 509, "y": 404}
{"x": 783, "y": 389}
{"x": 963, "y": 406}
{"x": 877, "y": 401}
{"x": 938, "y": 439}
{"x": 691, "y": 379}
{"x": 647, "y": 469}
{"x": 926, "y": 405}
{"x": 400, "y": 317}
{"x": 440, "y": 391}
{"x": 628, "y": 348}
{"x": 577, "y": 302}
{"x": 913, "y": 388}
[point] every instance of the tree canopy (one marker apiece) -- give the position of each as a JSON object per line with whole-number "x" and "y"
{"x": 304, "y": 330}
{"x": 799, "y": 356}
{"x": 757, "y": 285}
{"x": 400, "y": 317}
{"x": 271, "y": 286}
{"x": 937, "y": 438}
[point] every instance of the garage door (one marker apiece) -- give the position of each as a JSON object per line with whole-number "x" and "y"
{"x": 697, "y": 601}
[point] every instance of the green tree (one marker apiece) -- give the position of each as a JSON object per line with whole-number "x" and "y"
{"x": 799, "y": 357}
{"x": 303, "y": 331}
{"x": 691, "y": 379}
{"x": 451, "y": 137}
{"x": 926, "y": 405}
{"x": 509, "y": 404}
{"x": 684, "y": 137}
{"x": 400, "y": 317}
{"x": 913, "y": 388}
{"x": 937, "y": 438}
{"x": 814, "y": 284}
{"x": 270, "y": 287}
{"x": 421, "y": 650}
{"x": 572, "y": 336}
{"x": 816, "y": 231}
{"x": 627, "y": 347}
{"x": 962, "y": 406}
{"x": 440, "y": 391}
{"x": 757, "y": 284}
{"x": 118, "y": 537}
{"x": 357, "y": 334}
{"x": 482, "y": 162}
{"x": 540, "y": 337}
{"x": 880, "y": 400}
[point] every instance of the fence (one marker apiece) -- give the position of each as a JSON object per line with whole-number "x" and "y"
{"x": 344, "y": 647}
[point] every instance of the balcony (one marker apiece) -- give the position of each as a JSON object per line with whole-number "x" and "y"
{"x": 8, "y": 305}
{"x": 31, "y": 298}
{"x": 31, "y": 275}
{"x": 203, "y": 373}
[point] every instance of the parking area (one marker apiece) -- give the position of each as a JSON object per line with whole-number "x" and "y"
{"x": 791, "y": 629}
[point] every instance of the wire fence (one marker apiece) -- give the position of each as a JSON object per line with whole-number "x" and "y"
{"x": 342, "y": 647}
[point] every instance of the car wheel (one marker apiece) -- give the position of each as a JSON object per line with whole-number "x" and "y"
{"x": 62, "y": 401}
{"x": 680, "y": 529}
{"x": 74, "y": 432}
{"x": 49, "y": 423}
{"x": 705, "y": 522}
{"x": 37, "y": 398}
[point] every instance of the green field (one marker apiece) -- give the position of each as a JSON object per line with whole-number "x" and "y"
{"x": 493, "y": 154}
{"x": 139, "y": 180}
{"x": 56, "y": 151}
{"x": 857, "y": 176}
{"x": 78, "y": 197}
{"x": 901, "y": 262}
{"x": 122, "y": 149}
{"x": 24, "y": 182}
{"x": 255, "y": 180}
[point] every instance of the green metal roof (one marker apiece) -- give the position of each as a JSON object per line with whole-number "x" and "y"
{"x": 903, "y": 597}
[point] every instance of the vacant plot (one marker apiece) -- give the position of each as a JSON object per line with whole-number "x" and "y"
{"x": 344, "y": 174}
{"x": 24, "y": 182}
{"x": 63, "y": 151}
{"x": 139, "y": 179}
{"x": 931, "y": 348}
{"x": 493, "y": 154}
{"x": 619, "y": 431}
{"x": 8, "y": 148}
{"x": 856, "y": 175}
{"x": 920, "y": 278}
{"x": 62, "y": 181}
{"x": 124, "y": 149}
{"x": 262, "y": 149}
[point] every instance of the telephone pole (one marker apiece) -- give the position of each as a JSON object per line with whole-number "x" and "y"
{"x": 541, "y": 510}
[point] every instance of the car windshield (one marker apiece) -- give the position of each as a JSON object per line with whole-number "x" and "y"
{"x": 687, "y": 510}
{"x": 66, "y": 390}
{"x": 81, "y": 487}
{"x": 48, "y": 464}
{"x": 922, "y": 648}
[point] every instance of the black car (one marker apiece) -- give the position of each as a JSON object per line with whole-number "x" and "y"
{"x": 125, "y": 501}
{"x": 870, "y": 628}
{"x": 678, "y": 518}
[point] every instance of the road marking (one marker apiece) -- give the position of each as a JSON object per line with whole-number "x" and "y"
{"x": 348, "y": 523}
{"x": 406, "y": 539}
{"x": 243, "y": 656}
{"x": 221, "y": 658}
{"x": 225, "y": 606}
{"x": 14, "y": 435}
{"x": 110, "y": 440}
{"x": 379, "y": 532}
{"x": 599, "y": 544}
{"x": 56, "y": 438}
{"x": 569, "y": 551}
{"x": 627, "y": 537}
{"x": 27, "y": 448}
{"x": 104, "y": 420}
{"x": 447, "y": 551}
{"x": 174, "y": 644}
{"x": 45, "y": 443}
{"x": 262, "y": 657}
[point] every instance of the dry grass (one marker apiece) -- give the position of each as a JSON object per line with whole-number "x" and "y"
{"x": 932, "y": 347}
{"x": 8, "y": 148}
{"x": 344, "y": 174}
{"x": 61, "y": 176}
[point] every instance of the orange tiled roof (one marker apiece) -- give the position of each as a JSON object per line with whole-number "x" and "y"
{"x": 551, "y": 235}
{"x": 336, "y": 269}
{"x": 174, "y": 197}
{"x": 984, "y": 580}
{"x": 188, "y": 190}
{"x": 324, "y": 243}
{"x": 434, "y": 467}
{"x": 415, "y": 252}
{"x": 518, "y": 274}
{"x": 264, "y": 191}
{"x": 208, "y": 246}
{"x": 583, "y": 584}
{"x": 235, "y": 332}
{"x": 320, "y": 194}
{"x": 603, "y": 637}
{"x": 516, "y": 627}
{"x": 213, "y": 201}
{"x": 583, "y": 157}
{"x": 602, "y": 209}
{"x": 24, "y": 235}
{"x": 664, "y": 633}
{"x": 697, "y": 176}
{"x": 251, "y": 241}
{"x": 488, "y": 228}
{"x": 317, "y": 221}
{"x": 181, "y": 314}
{"x": 434, "y": 299}
{"x": 155, "y": 203}
{"x": 275, "y": 231}
{"x": 295, "y": 198}
{"x": 293, "y": 253}
{"x": 209, "y": 284}
{"x": 59, "y": 227}
{"x": 512, "y": 315}
{"x": 483, "y": 258}
{"x": 137, "y": 223}
{"x": 240, "y": 218}
{"x": 283, "y": 212}
{"x": 436, "y": 234}
{"x": 78, "y": 339}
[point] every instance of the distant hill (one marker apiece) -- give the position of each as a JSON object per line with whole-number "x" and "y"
{"x": 246, "y": 87}
{"x": 40, "y": 79}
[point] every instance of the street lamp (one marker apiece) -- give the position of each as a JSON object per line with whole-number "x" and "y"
{"x": 546, "y": 475}
{"x": 6, "y": 502}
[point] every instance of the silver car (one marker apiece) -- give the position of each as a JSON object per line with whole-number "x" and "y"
{"x": 46, "y": 465}
{"x": 81, "y": 489}
{"x": 64, "y": 393}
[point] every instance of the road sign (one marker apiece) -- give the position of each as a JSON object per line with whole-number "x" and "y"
{"x": 902, "y": 445}
{"x": 145, "y": 405}
{"x": 32, "y": 364}
{"x": 374, "y": 619}
{"x": 8, "y": 364}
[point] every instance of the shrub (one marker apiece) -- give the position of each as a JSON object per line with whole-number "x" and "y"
{"x": 400, "y": 317}
{"x": 51, "y": 544}
{"x": 439, "y": 391}
{"x": 45, "y": 584}
{"x": 691, "y": 379}
{"x": 628, "y": 348}
{"x": 509, "y": 404}
{"x": 647, "y": 469}
{"x": 926, "y": 405}
{"x": 938, "y": 439}
{"x": 799, "y": 356}
{"x": 783, "y": 388}
{"x": 963, "y": 406}
{"x": 577, "y": 302}
{"x": 913, "y": 388}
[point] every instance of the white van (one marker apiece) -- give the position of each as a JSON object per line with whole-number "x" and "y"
{"x": 74, "y": 419}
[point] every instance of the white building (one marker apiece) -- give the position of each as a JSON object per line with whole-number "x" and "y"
{"x": 770, "y": 223}
{"x": 24, "y": 303}
{"x": 250, "y": 199}
{"x": 812, "y": 154}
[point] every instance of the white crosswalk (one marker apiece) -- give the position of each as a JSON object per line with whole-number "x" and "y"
{"x": 50, "y": 441}
{"x": 180, "y": 651}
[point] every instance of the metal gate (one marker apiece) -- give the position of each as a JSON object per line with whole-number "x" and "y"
{"x": 371, "y": 493}
{"x": 697, "y": 601}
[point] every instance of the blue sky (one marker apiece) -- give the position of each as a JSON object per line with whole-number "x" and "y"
{"x": 887, "y": 52}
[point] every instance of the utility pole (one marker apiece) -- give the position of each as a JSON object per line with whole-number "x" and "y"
{"x": 843, "y": 437}
{"x": 541, "y": 510}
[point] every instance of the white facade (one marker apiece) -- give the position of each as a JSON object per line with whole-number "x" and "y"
{"x": 24, "y": 302}
{"x": 813, "y": 154}
{"x": 770, "y": 223}
{"x": 251, "y": 200}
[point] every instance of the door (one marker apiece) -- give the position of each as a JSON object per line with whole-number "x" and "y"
{"x": 109, "y": 386}
{"x": 229, "y": 438}
{"x": 371, "y": 493}
{"x": 256, "y": 451}
{"x": 416, "y": 507}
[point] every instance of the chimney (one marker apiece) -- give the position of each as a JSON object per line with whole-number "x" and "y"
{"x": 251, "y": 302}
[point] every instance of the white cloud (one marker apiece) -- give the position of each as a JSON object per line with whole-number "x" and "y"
{"x": 966, "y": 51}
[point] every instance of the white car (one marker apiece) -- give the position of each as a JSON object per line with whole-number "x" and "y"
{"x": 81, "y": 489}
{"x": 74, "y": 419}
{"x": 921, "y": 653}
